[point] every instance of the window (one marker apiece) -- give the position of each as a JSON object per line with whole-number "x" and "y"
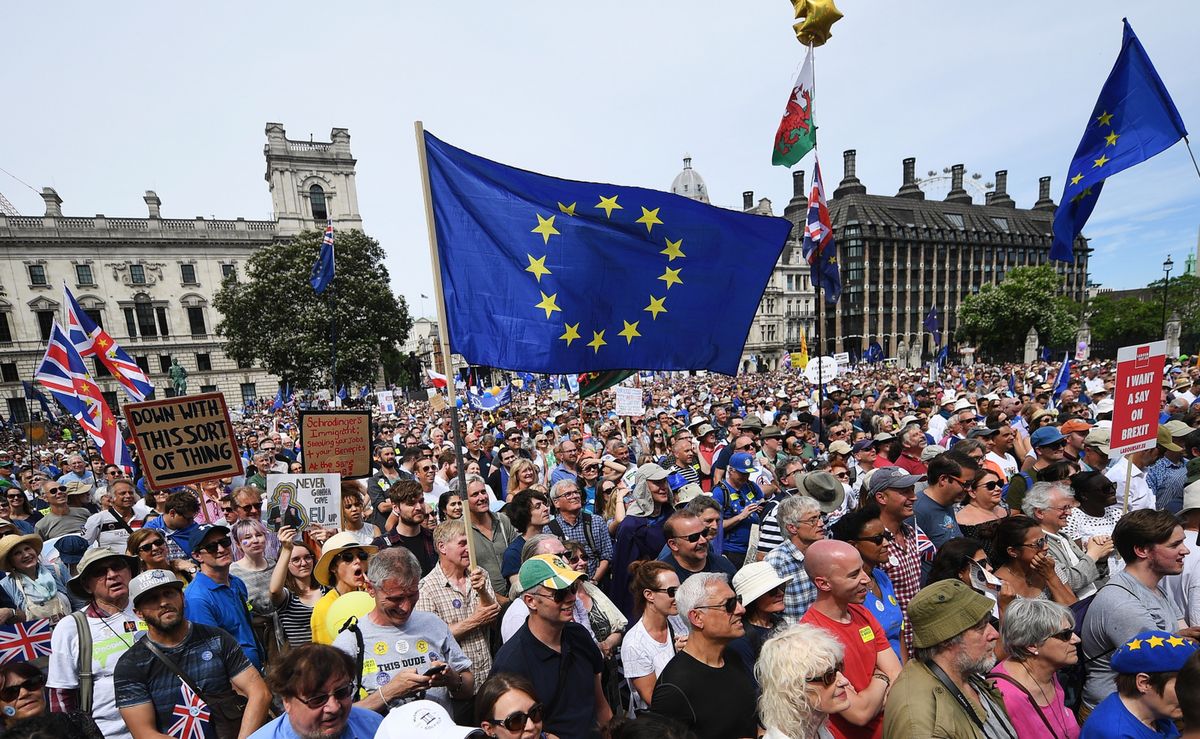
{"x": 145, "y": 316}
{"x": 1002, "y": 223}
{"x": 8, "y": 372}
{"x": 196, "y": 320}
{"x": 137, "y": 274}
{"x": 17, "y": 410}
{"x": 130, "y": 323}
{"x": 5, "y": 330}
{"x": 45, "y": 319}
{"x": 96, "y": 315}
{"x": 956, "y": 220}
{"x": 316, "y": 196}
{"x": 99, "y": 369}
{"x": 187, "y": 272}
{"x": 228, "y": 270}
{"x": 249, "y": 392}
{"x": 209, "y": 389}
{"x": 143, "y": 363}
{"x": 161, "y": 313}
{"x": 203, "y": 363}
{"x": 244, "y": 364}
{"x": 37, "y": 275}
{"x": 83, "y": 274}
{"x": 112, "y": 400}
{"x": 164, "y": 363}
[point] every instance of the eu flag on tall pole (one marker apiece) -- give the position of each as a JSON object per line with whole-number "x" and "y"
{"x": 1133, "y": 120}
{"x": 819, "y": 247}
{"x": 560, "y": 276}
{"x": 933, "y": 325}
{"x": 322, "y": 271}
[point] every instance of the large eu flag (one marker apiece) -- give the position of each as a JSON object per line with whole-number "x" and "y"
{"x": 542, "y": 274}
{"x": 1133, "y": 120}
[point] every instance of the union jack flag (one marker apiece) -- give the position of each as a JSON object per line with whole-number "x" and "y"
{"x": 92, "y": 341}
{"x": 25, "y": 641}
{"x": 64, "y": 374}
{"x": 192, "y": 716}
{"x": 819, "y": 248}
{"x": 926, "y": 549}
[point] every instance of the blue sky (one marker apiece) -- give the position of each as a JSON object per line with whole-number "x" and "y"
{"x": 108, "y": 100}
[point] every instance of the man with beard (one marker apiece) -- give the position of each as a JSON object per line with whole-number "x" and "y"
{"x": 836, "y": 571}
{"x": 408, "y": 515}
{"x": 151, "y": 696}
{"x": 942, "y": 690}
{"x": 567, "y": 453}
{"x": 216, "y": 598}
{"x": 377, "y": 487}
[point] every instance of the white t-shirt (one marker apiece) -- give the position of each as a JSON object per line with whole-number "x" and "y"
{"x": 641, "y": 655}
{"x": 102, "y": 530}
{"x": 112, "y": 636}
{"x": 1140, "y": 494}
{"x": 1007, "y": 464}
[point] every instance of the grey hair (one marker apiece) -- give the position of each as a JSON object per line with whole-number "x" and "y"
{"x": 471, "y": 478}
{"x": 1039, "y": 496}
{"x": 562, "y": 487}
{"x": 781, "y": 468}
{"x": 695, "y": 589}
{"x": 72, "y": 457}
{"x": 793, "y": 508}
{"x": 1029, "y": 622}
{"x": 394, "y": 563}
{"x": 532, "y": 544}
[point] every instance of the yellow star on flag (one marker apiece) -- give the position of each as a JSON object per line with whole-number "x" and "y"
{"x": 630, "y": 331}
{"x": 1134, "y": 645}
{"x": 608, "y": 205}
{"x": 102, "y": 342}
{"x": 1155, "y": 641}
{"x": 1086, "y": 191}
{"x": 571, "y": 333}
{"x": 548, "y": 304}
{"x": 1075, "y": 180}
{"x": 597, "y": 341}
{"x": 546, "y": 228}
{"x": 1112, "y": 137}
{"x": 85, "y": 388}
{"x": 671, "y": 276}
{"x": 673, "y": 250}
{"x": 650, "y": 218}
{"x": 568, "y": 209}
{"x": 656, "y": 306}
{"x": 1175, "y": 641}
{"x": 537, "y": 267}
{"x": 1100, "y": 162}
{"x": 1105, "y": 118}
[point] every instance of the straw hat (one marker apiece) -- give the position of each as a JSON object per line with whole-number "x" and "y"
{"x": 91, "y": 557}
{"x": 756, "y": 579}
{"x": 334, "y": 546}
{"x": 12, "y": 541}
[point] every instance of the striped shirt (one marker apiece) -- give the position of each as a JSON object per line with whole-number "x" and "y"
{"x": 295, "y": 619}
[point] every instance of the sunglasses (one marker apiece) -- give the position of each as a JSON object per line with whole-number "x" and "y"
{"x": 1064, "y": 635}
{"x": 250, "y": 507}
{"x": 669, "y": 591}
{"x": 426, "y": 468}
{"x": 829, "y": 677}
{"x": 581, "y": 557}
{"x": 152, "y": 545}
{"x": 351, "y": 555}
{"x": 990, "y": 485}
{"x": 729, "y": 605}
{"x": 1055, "y": 445}
{"x": 223, "y": 543}
{"x": 559, "y": 596}
{"x": 339, "y": 695}
{"x": 12, "y": 692}
{"x": 878, "y": 538}
{"x": 226, "y": 509}
{"x": 1039, "y": 544}
{"x": 517, "y": 720}
{"x": 59, "y": 489}
{"x": 744, "y": 447}
{"x": 693, "y": 538}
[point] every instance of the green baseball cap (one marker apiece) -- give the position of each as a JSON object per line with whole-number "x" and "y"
{"x": 547, "y": 570}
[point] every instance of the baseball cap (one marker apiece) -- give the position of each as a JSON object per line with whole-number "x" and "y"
{"x": 945, "y": 609}
{"x": 840, "y": 447}
{"x": 882, "y": 436}
{"x": 742, "y": 462}
{"x": 1151, "y": 651}
{"x": 1074, "y": 424}
{"x": 932, "y": 450}
{"x": 197, "y": 537}
{"x": 423, "y": 719}
{"x": 1191, "y": 497}
{"x": 1098, "y": 438}
{"x": 888, "y": 478}
{"x": 862, "y": 444}
{"x": 547, "y": 570}
{"x": 982, "y": 432}
{"x": 1045, "y": 436}
{"x": 152, "y": 580}
{"x": 1165, "y": 440}
{"x": 1177, "y": 428}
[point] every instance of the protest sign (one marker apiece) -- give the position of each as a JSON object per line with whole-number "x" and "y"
{"x": 437, "y": 402}
{"x": 843, "y": 361}
{"x": 184, "y": 440}
{"x": 1137, "y": 397}
{"x": 387, "y": 401}
{"x": 821, "y": 369}
{"x": 336, "y": 441}
{"x": 629, "y": 401}
{"x": 303, "y": 501}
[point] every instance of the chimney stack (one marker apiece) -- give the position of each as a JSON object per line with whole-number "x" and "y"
{"x": 1002, "y": 197}
{"x": 798, "y": 184}
{"x": 53, "y": 202}
{"x": 153, "y": 204}
{"x": 957, "y": 194}
{"x": 908, "y": 187}
{"x": 1044, "y": 202}
{"x": 796, "y": 210}
{"x": 988, "y": 197}
{"x": 850, "y": 184}
{"x": 748, "y": 200}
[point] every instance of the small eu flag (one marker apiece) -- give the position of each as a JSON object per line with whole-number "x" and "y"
{"x": 933, "y": 325}
{"x": 559, "y": 276}
{"x": 322, "y": 271}
{"x": 1133, "y": 120}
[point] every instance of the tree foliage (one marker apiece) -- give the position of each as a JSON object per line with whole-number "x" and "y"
{"x": 275, "y": 319}
{"x": 1121, "y": 321}
{"x": 998, "y": 317}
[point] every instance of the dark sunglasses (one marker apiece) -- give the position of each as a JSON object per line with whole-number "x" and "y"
{"x": 351, "y": 555}
{"x": 517, "y": 720}
{"x": 251, "y": 507}
{"x": 730, "y": 604}
{"x": 226, "y": 509}
{"x": 829, "y": 677}
{"x": 426, "y": 468}
{"x": 212, "y": 547}
{"x": 12, "y": 692}
{"x": 581, "y": 557}
{"x": 1064, "y": 635}
{"x": 669, "y": 591}
{"x": 150, "y": 546}
{"x": 59, "y": 489}
{"x": 878, "y": 538}
{"x": 990, "y": 485}
{"x": 561, "y": 595}
{"x": 1055, "y": 445}
{"x": 339, "y": 695}
{"x": 744, "y": 447}
{"x": 693, "y": 538}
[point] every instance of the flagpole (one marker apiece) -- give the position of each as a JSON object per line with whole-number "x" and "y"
{"x": 444, "y": 335}
{"x": 29, "y": 413}
{"x": 1188, "y": 144}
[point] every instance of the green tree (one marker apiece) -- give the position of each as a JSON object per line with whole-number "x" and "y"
{"x": 274, "y": 317}
{"x": 998, "y": 317}
{"x": 1120, "y": 322}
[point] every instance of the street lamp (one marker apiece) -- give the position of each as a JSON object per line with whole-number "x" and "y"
{"x": 1167, "y": 265}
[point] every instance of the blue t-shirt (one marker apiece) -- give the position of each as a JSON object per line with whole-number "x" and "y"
{"x": 1112, "y": 720}
{"x": 223, "y": 606}
{"x": 886, "y": 610}
{"x": 510, "y": 563}
{"x": 936, "y": 520}
{"x": 737, "y": 539}
{"x": 362, "y": 724}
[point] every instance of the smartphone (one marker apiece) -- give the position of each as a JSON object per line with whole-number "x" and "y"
{"x": 435, "y": 670}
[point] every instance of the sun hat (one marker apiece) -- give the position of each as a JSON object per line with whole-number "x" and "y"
{"x": 840, "y": 447}
{"x": 891, "y": 478}
{"x": 687, "y": 494}
{"x": 932, "y": 450}
{"x": 963, "y": 404}
{"x": 755, "y": 580}
{"x": 547, "y": 570}
{"x": 152, "y": 580}
{"x": 91, "y": 557}
{"x": 1165, "y": 440}
{"x": 334, "y": 546}
{"x": 1152, "y": 651}
{"x": 882, "y": 436}
{"x": 1045, "y": 436}
{"x": 12, "y": 541}
{"x": 704, "y": 429}
{"x": 943, "y": 610}
{"x": 771, "y": 432}
{"x": 649, "y": 471}
{"x": 423, "y": 719}
{"x": 824, "y": 488}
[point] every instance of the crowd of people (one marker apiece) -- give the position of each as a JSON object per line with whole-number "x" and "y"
{"x": 885, "y": 557}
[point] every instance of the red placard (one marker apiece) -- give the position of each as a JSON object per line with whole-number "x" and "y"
{"x": 1137, "y": 397}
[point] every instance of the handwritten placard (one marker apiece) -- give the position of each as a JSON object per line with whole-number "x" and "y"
{"x": 184, "y": 440}
{"x": 303, "y": 501}
{"x": 629, "y": 401}
{"x": 336, "y": 441}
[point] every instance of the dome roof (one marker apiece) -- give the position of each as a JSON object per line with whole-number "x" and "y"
{"x": 689, "y": 183}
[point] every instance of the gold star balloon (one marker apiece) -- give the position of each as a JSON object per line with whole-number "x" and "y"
{"x": 815, "y": 19}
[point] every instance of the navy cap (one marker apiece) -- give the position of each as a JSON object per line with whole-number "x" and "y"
{"x": 1153, "y": 651}
{"x": 71, "y": 548}
{"x": 1044, "y": 436}
{"x": 862, "y": 444}
{"x": 891, "y": 478}
{"x": 197, "y": 536}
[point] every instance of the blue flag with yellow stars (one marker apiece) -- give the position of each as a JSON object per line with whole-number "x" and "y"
{"x": 1133, "y": 120}
{"x": 542, "y": 274}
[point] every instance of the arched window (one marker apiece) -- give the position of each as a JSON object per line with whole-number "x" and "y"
{"x": 316, "y": 196}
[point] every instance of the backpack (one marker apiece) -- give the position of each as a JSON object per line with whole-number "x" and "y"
{"x": 1028, "y": 484}
{"x": 588, "y": 536}
{"x": 87, "y": 679}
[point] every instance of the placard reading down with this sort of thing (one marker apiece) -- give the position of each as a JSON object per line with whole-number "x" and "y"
{"x": 303, "y": 501}
{"x": 336, "y": 441}
{"x": 184, "y": 440}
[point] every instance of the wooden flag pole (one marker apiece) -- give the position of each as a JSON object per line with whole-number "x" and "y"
{"x": 444, "y": 336}
{"x": 1128, "y": 480}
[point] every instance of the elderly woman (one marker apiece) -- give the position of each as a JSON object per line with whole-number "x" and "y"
{"x": 760, "y": 590}
{"x": 37, "y": 590}
{"x": 800, "y": 671}
{"x": 1039, "y": 639}
{"x": 1050, "y": 504}
{"x": 305, "y": 679}
{"x": 343, "y": 568}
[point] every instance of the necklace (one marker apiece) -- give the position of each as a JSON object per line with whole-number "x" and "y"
{"x": 1042, "y": 692}
{"x": 107, "y": 625}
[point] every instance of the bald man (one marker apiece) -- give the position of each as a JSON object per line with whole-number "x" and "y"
{"x": 837, "y": 571}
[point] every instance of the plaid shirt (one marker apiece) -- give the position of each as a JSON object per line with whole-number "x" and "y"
{"x": 440, "y": 597}
{"x": 904, "y": 569}
{"x": 799, "y": 593}
{"x": 604, "y": 545}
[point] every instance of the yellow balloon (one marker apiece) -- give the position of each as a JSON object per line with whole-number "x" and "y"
{"x": 816, "y": 18}
{"x": 350, "y": 605}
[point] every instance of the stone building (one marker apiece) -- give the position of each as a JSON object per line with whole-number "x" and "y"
{"x": 150, "y": 281}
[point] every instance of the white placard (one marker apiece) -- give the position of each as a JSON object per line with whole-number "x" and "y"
{"x": 387, "y": 401}
{"x": 842, "y": 359}
{"x": 315, "y": 499}
{"x": 629, "y": 401}
{"x": 826, "y": 366}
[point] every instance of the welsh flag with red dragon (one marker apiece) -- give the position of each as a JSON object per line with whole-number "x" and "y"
{"x": 797, "y": 133}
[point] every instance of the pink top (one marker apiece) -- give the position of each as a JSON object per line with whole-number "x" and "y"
{"x": 1024, "y": 715}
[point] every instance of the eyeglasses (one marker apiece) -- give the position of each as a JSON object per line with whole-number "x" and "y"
{"x": 730, "y": 604}
{"x": 152, "y": 545}
{"x": 223, "y": 543}
{"x": 810, "y": 521}
{"x": 559, "y": 596}
{"x": 990, "y": 485}
{"x": 1064, "y": 509}
{"x": 693, "y": 538}
{"x": 350, "y": 555}
{"x": 878, "y": 539}
{"x": 744, "y": 447}
{"x": 250, "y": 507}
{"x": 226, "y": 509}
{"x": 669, "y": 591}
{"x": 581, "y": 557}
{"x": 961, "y": 483}
{"x": 571, "y": 494}
{"x": 59, "y": 489}
{"x": 339, "y": 695}
{"x": 1039, "y": 544}
{"x": 829, "y": 677}
{"x": 426, "y": 468}
{"x": 12, "y": 692}
{"x": 517, "y": 720}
